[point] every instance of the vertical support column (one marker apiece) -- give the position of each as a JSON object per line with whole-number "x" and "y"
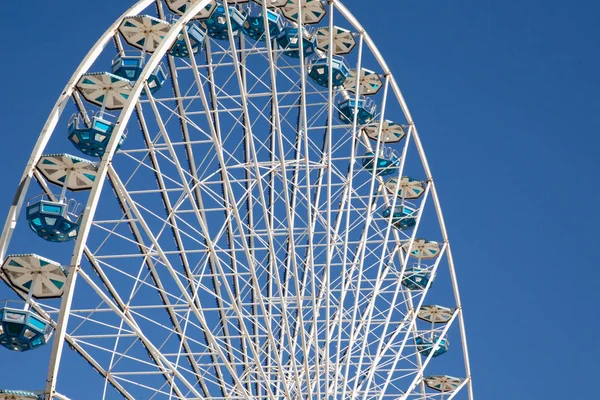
{"x": 61, "y": 330}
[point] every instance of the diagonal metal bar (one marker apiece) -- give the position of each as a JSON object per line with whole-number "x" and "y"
{"x": 108, "y": 285}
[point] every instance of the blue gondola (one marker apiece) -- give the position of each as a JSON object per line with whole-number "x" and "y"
{"x": 19, "y": 395}
{"x": 54, "y": 221}
{"x": 216, "y": 25}
{"x": 197, "y": 39}
{"x": 425, "y": 345}
{"x": 22, "y": 330}
{"x": 128, "y": 66}
{"x": 319, "y": 71}
{"x": 384, "y": 166}
{"x": 416, "y": 278}
{"x": 131, "y": 66}
{"x": 288, "y": 40}
{"x": 93, "y": 139}
{"x": 365, "y": 110}
{"x": 255, "y": 25}
{"x": 403, "y": 217}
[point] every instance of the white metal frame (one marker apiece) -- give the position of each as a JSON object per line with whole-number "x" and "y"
{"x": 292, "y": 358}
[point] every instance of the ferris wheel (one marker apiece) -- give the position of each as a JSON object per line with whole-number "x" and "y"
{"x": 232, "y": 202}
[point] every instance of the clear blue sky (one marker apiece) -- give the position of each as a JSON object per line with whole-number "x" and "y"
{"x": 506, "y": 96}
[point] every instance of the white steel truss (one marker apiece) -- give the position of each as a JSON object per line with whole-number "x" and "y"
{"x": 237, "y": 245}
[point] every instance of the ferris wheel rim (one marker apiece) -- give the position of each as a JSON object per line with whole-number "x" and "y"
{"x": 126, "y": 113}
{"x": 53, "y": 118}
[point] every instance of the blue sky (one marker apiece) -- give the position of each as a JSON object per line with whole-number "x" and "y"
{"x": 506, "y": 98}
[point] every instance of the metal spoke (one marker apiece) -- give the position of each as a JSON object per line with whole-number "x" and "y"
{"x": 250, "y": 244}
